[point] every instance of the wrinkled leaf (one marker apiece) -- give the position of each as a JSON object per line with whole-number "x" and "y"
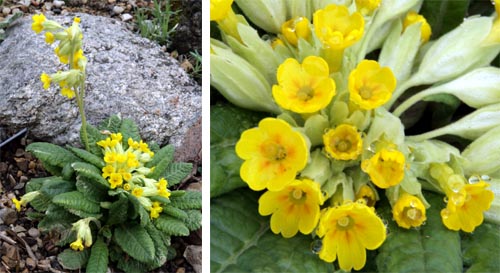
{"x": 171, "y": 226}
{"x": 98, "y": 261}
{"x": 71, "y": 259}
{"x": 52, "y": 154}
{"x": 134, "y": 240}
{"x": 75, "y": 200}
{"x": 480, "y": 249}
{"x": 176, "y": 172}
{"x": 190, "y": 200}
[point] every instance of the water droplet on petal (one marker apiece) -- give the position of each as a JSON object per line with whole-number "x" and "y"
{"x": 486, "y": 178}
{"x": 445, "y": 213}
{"x": 474, "y": 179}
{"x": 413, "y": 204}
{"x": 445, "y": 199}
{"x": 316, "y": 246}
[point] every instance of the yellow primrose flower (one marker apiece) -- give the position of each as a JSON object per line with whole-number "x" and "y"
{"x": 425, "y": 29}
{"x": 367, "y": 7}
{"x": 137, "y": 192}
{"x": 336, "y": 28}
{"x": 46, "y": 80}
{"x": 409, "y": 211}
{"x": 465, "y": 206}
{"x": 295, "y": 29}
{"x": 155, "y": 211}
{"x": 77, "y": 245}
{"x": 219, "y": 9}
{"x": 273, "y": 154}
{"x": 304, "y": 88}
{"x": 386, "y": 168}
{"x": 77, "y": 20}
{"x": 368, "y": 194}
{"x": 343, "y": 142}
{"x": 68, "y": 92}
{"x": 38, "y": 20}
{"x": 162, "y": 188}
{"x": 62, "y": 58}
{"x": 276, "y": 42}
{"x": 115, "y": 180}
{"x": 347, "y": 231}
{"x": 49, "y": 38}
{"x": 370, "y": 85}
{"x": 294, "y": 208}
{"x": 25, "y": 199}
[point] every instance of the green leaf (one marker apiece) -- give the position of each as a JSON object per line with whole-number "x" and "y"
{"x": 73, "y": 260}
{"x": 135, "y": 241}
{"x": 161, "y": 246}
{"x": 175, "y": 212}
{"x": 481, "y": 248}
{"x": 67, "y": 172}
{"x": 131, "y": 265}
{"x": 118, "y": 211}
{"x": 54, "y": 185}
{"x": 431, "y": 248}
{"x": 111, "y": 124}
{"x": 165, "y": 153}
{"x": 93, "y": 191}
{"x": 190, "y": 200}
{"x": 226, "y": 125}
{"x": 129, "y": 129}
{"x": 444, "y": 15}
{"x": 91, "y": 172}
{"x": 171, "y": 226}
{"x": 87, "y": 156}
{"x": 193, "y": 222}
{"x": 76, "y": 201}
{"x": 241, "y": 241}
{"x": 52, "y": 154}
{"x": 57, "y": 218}
{"x": 94, "y": 135}
{"x": 98, "y": 261}
{"x": 176, "y": 172}
{"x": 159, "y": 169}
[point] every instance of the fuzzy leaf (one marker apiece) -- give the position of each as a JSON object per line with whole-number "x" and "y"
{"x": 57, "y": 218}
{"x": 67, "y": 172}
{"x": 165, "y": 153}
{"x": 480, "y": 249}
{"x": 94, "y": 135}
{"x": 159, "y": 169}
{"x": 176, "y": 172}
{"x": 129, "y": 129}
{"x": 98, "y": 261}
{"x": 135, "y": 241}
{"x": 118, "y": 211}
{"x": 175, "y": 212}
{"x": 193, "y": 221}
{"x": 92, "y": 172}
{"x": 87, "y": 156}
{"x": 226, "y": 125}
{"x": 240, "y": 240}
{"x": 93, "y": 191}
{"x": 73, "y": 260}
{"x": 432, "y": 248}
{"x": 111, "y": 124}
{"x": 52, "y": 154}
{"x": 131, "y": 265}
{"x": 55, "y": 185}
{"x": 190, "y": 200}
{"x": 171, "y": 226}
{"x": 76, "y": 201}
{"x": 161, "y": 246}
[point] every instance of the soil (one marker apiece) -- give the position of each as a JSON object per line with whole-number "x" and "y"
{"x": 23, "y": 248}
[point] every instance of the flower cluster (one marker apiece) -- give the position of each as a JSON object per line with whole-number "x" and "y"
{"x": 337, "y": 140}
{"x": 125, "y": 169}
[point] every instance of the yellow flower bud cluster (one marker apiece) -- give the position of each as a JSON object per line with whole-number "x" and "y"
{"x": 69, "y": 51}
{"x": 125, "y": 169}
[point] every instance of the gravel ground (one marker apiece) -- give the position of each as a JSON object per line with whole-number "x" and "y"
{"x": 23, "y": 248}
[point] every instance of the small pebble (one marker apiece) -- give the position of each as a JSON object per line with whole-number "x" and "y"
{"x": 126, "y": 17}
{"x": 33, "y": 232}
{"x": 180, "y": 270}
{"x": 18, "y": 229}
{"x": 118, "y": 9}
{"x": 48, "y": 6}
{"x": 6, "y": 11}
{"x": 30, "y": 263}
{"x": 58, "y": 3}
{"x": 8, "y": 215}
{"x": 111, "y": 1}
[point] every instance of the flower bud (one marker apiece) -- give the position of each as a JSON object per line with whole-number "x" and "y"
{"x": 268, "y": 15}
{"x": 482, "y": 154}
{"x": 299, "y": 8}
{"x": 314, "y": 127}
{"x": 240, "y": 82}
{"x": 296, "y": 29}
{"x": 493, "y": 213}
{"x": 49, "y": 25}
{"x": 318, "y": 168}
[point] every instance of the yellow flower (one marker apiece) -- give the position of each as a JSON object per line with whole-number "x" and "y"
{"x": 49, "y": 38}
{"x": 465, "y": 207}
{"x": 273, "y": 154}
{"x": 77, "y": 20}
{"x": 62, "y": 58}
{"x": 366, "y": 193}
{"x": 77, "y": 245}
{"x": 77, "y": 57}
{"x": 294, "y": 208}
{"x": 347, "y": 231}
{"x": 370, "y": 85}
{"x": 25, "y": 199}
{"x": 137, "y": 192}
{"x": 155, "y": 211}
{"x": 409, "y": 211}
{"x": 386, "y": 168}
{"x": 425, "y": 29}
{"x": 107, "y": 171}
{"x": 219, "y": 9}
{"x": 296, "y": 28}
{"x": 17, "y": 203}
{"x": 38, "y": 20}
{"x": 46, "y": 79}
{"x": 276, "y": 42}
{"x": 115, "y": 180}
{"x": 343, "y": 142}
{"x": 162, "y": 188}
{"x": 336, "y": 28}
{"x": 367, "y": 7}
{"x": 304, "y": 88}
{"x": 68, "y": 92}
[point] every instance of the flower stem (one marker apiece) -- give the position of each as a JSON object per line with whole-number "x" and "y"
{"x": 80, "y": 94}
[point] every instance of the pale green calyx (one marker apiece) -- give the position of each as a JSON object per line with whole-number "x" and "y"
{"x": 483, "y": 154}
{"x": 267, "y": 14}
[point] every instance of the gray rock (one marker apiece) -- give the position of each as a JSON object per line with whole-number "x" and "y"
{"x": 118, "y": 9}
{"x": 58, "y": 3}
{"x": 126, "y": 17}
{"x": 126, "y": 74}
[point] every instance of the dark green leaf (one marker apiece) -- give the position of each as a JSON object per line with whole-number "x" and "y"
{"x": 193, "y": 221}
{"x": 444, "y": 15}
{"x": 111, "y": 124}
{"x": 76, "y": 201}
{"x": 171, "y": 226}
{"x": 175, "y": 212}
{"x": 67, "y": 172}
{"x": 129, "y": 129}
{"x": 135, "y": 241}
{"x": 118, "y": 211}
{"x": 87, "y": 156}
{"x": 176, "y": 172}
{"x": 93, "y": 191}
{"x": 55, "y": 185}
{"x": 481, "y": 249}
{"x": 226, "y": 125}
{"x": 165, "y": 153}
{"x": 92, "y": 173}
{"x": 240, "y": 240}
{"x": 94, "y": 135}
{"x": 159, "y": 169}
{"x": 160, "y": 243}
{"x": 52, "y": 154}
{"x": 431, "y": 248}
{"x": 190, "y": 200}
{"x": 131, "y": 265}
{"x": 98, "y": 261}
{"x": 57, "y": 218}
{"x": 73, "y": 260}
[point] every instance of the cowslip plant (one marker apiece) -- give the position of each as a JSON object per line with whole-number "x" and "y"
{"x": 115, "y": 201}
{"x": 345, "y": 184}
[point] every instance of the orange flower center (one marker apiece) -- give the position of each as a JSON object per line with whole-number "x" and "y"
{"x": 274, "y": 151}
{"x": 344, "y": 222}
{"x": 413, "y": 213}
{"x": 297, "y": 196}
{"x": 342, "y": 145}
